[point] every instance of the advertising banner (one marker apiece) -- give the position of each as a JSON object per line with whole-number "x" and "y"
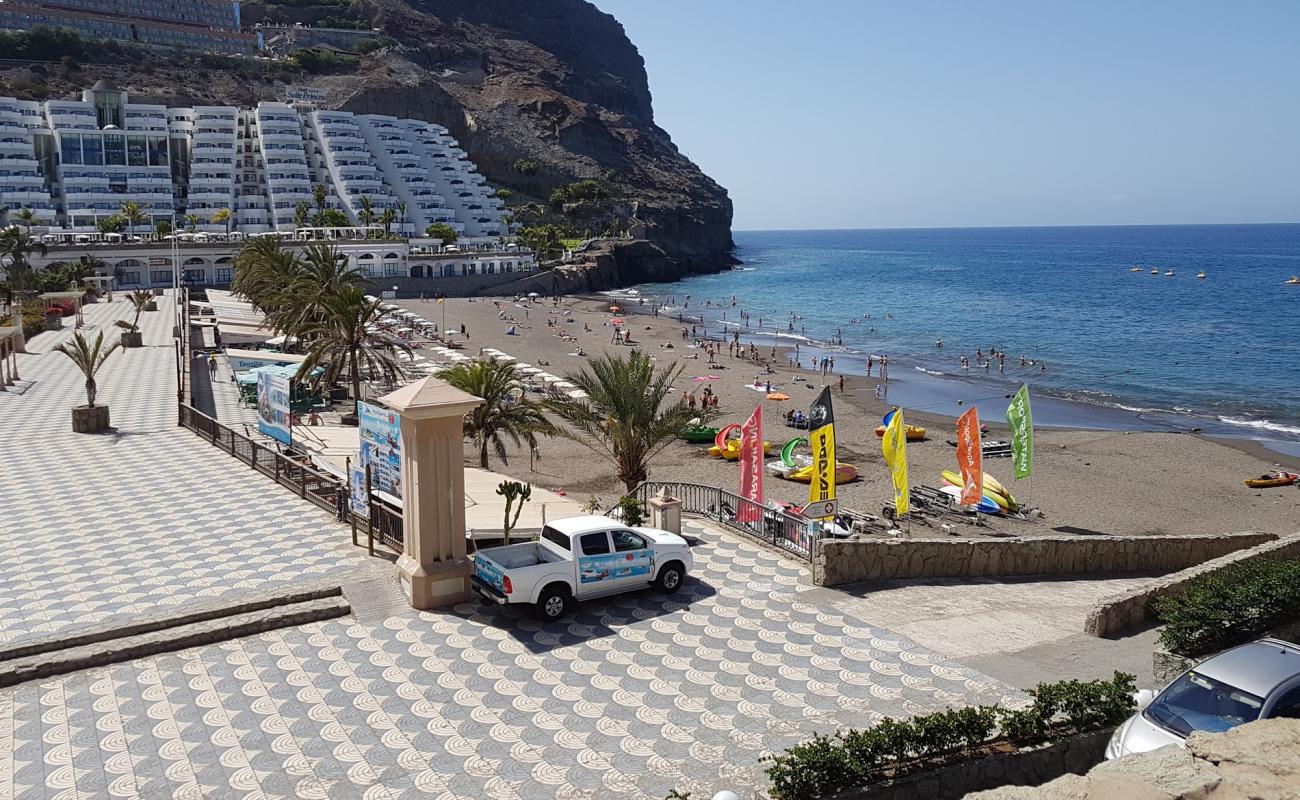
{"x": 615, "y": 566}
{"x": 894, "y": 444}
{"x": 970, "y": 457}
{"x": 360, "y": 498}
{"x": 751, "y": 468}
{"x": 821, "y": 436}
{"x": 273, "y": 406}
{"x": 381, "y": 447}
{"x": 1022, "y": 433}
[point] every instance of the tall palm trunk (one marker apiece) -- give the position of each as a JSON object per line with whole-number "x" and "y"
{"x": 356, "y": 385}
{"x": 483, "y": 452}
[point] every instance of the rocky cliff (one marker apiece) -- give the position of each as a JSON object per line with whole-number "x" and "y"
{"x": 552, "y": 82}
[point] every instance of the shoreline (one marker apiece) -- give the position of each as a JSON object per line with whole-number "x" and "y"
{"x": 914, "y": 387}
{"x": 1106, "y": 482}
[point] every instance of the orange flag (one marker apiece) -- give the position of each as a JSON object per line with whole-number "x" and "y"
{"x": 970, "y": 457}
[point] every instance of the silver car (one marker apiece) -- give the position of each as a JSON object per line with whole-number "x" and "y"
{"x": 1259, "y": 680}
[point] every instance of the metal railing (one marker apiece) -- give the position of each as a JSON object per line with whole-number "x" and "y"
{"x": 789, "y": 532}
{"x": 287, "y": 469}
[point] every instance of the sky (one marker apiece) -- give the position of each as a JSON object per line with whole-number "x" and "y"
{"x": 911, "y": 113}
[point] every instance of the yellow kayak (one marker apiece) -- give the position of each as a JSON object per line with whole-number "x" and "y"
{"x": 732, "y": 451}
{"x": 993, "y": 489}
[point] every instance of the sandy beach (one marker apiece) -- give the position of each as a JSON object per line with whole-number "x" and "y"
{"x": 1085, "y": 481}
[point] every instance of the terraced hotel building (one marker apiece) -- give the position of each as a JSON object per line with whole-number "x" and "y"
{"x": 76, "y": 162}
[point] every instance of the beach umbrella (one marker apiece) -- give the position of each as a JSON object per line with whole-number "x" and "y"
{"x": 534, "y": 294}
{"x": 616, "y": 321}
{"x": 778, "y": 396}
{"x": 615, "y": 308}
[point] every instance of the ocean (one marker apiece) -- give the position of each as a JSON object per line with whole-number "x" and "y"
{"x": 1122, "y": 349}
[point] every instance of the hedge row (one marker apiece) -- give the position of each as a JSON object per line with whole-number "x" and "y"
{"x": 856, "y": 758}
{"x": 1230, "y": 606}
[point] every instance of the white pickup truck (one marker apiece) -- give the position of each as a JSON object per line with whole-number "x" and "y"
{"x": 578, "y": 558}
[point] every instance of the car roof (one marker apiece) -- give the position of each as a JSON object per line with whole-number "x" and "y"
{"x": 1258, "y": 667}
{"x": 575, "y": 525}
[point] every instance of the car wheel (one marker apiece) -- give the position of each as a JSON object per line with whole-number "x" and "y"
{"x": 670, "y": 578}
{"x": 552, "y": 604}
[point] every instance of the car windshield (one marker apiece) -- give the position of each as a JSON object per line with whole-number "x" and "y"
{"x": 1197, "y": 703}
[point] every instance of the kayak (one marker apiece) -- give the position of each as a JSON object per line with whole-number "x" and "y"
{"x": 698, "y": 434}
{"x": 914, "y": 434}
{"x": 844, "y": 473}
{"x": 731, "y": 451}
{"x": 1273, "y": 480}
{"x": 986, "y": 505}
{"x": 993, "y": 489}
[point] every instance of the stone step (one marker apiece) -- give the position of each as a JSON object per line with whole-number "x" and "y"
{"x": 155, "y": 640}
{"x": 165, "y": 617}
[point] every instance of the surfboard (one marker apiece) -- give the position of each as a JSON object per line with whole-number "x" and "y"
{"x": 986, "y": 504}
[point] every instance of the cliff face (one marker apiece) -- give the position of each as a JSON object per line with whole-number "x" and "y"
{"x": 554, "y": 82}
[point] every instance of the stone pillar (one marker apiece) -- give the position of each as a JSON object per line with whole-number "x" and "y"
{"x": 666, "y": 513}
{"x": 433, "y": 568}
{"x": 4, "y": 364}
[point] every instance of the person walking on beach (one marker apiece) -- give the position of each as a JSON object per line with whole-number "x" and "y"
{"x": 832, "y": 364}
{"x": 212, "y": 366}
{"x": 871, "y": 361}
{"x": 841, "y": 384}
{"x": 884, "y": 368}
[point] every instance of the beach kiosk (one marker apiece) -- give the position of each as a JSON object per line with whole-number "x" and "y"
{"x": 48, "y": 299}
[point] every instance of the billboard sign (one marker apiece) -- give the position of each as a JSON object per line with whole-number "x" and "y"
{"x": 273, "y": 406}
{"x": 381, "y": 447}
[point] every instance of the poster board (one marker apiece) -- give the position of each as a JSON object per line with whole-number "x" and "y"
{"x": 381, "y": 447}
{"x": 273, "y": 406}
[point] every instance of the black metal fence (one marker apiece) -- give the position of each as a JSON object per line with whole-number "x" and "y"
{"x": 794, "y": 534}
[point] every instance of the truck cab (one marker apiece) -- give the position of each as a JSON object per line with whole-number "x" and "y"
{"x": 579, "y": 558}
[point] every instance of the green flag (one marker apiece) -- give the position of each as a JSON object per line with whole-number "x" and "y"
{"x": 1022, "y": 433}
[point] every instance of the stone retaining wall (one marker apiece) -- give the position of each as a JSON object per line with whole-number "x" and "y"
{"x": 839, "y": 562}
{"x": 1074, "y": 755}
{"x": 1118, "y": 613}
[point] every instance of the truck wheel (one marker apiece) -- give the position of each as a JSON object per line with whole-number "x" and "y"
{"x": 670, "y": 577}
{"x": 552, "y": 604}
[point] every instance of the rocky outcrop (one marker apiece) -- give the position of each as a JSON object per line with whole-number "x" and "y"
{"x": 1260, "y": 761}
{"x": 605, "y": 265}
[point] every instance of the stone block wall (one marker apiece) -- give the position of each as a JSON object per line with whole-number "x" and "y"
{"x": 1030, "y": 767}
{"x": 1118, "y": 613}
{"x": 838, "y": 562}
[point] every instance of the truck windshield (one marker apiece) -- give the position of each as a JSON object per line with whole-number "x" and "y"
{"x": 555, "y": 537}
{"x": 1197, "y": 703}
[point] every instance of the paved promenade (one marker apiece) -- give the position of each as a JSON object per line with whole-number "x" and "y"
{"x": 98, "y": 527}
{"x": 627, "y": 698}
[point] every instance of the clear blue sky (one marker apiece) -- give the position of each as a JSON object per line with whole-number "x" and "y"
{"x": 908, "y": 113}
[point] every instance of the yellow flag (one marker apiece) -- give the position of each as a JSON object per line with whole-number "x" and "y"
{"x": 894, "y": 444}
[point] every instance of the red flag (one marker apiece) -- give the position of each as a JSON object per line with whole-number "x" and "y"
{"x": 751, "y": 468}
{"x": 970, "y": 457}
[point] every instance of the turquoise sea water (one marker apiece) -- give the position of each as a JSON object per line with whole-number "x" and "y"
{"x": 1222, "y": 354}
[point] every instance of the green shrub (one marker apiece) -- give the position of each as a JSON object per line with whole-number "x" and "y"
{"x": 1230, "y": 606}
{"x": 633, "y": 512}
{"x": 850, "y": 759}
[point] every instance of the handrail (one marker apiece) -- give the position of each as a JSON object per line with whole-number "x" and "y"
{"x": 789, "y": 532}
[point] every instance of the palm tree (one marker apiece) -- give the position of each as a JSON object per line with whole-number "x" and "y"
{"x": 192, "y": 222}
{"x": 88, "y": 358}
{"x": 401, "y": 212}
{"x": 222, "y": 215}
{"x": 387, "y": 219}
{"x": 17, "y": 245}
{"x": 322, "y": 272}
{"x": 28, "y": 218}
{"x": 501, "y": 415}
{"x": 318, "y": 194}
{"x": 264, "y": 270}
{"x": 628, "y": 417}
{"x": 346, "y": 340}
{"x": 367, "y": 213}
{"x": 301, "y": 213}
{"x": 133, "y": 213}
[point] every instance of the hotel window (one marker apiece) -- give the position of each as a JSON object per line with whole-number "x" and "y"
{"x": 137, "y": 151}
{"x": 130, "y": 279}
{"x": 195, "y": 275}
{"x": 223, "y": 274}
{"x": 92, "y": 150}
{"x": 70, "y": 148}
{"x": 391, "y": 270}
{"x": 157, "y": 151}
{"x": 115, "y": 149}
{"x": 160, "y": 276}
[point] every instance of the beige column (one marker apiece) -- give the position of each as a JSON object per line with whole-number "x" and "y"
{"x": 433, "y": 569}
{"x": 4, "y": 364}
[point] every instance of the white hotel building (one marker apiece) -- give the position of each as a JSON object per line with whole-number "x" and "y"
{"x": 76, "y": 162}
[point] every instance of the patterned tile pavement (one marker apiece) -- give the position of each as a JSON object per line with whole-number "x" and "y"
{"x": 629, "y": 697}
{"x": 94, "y": 527}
